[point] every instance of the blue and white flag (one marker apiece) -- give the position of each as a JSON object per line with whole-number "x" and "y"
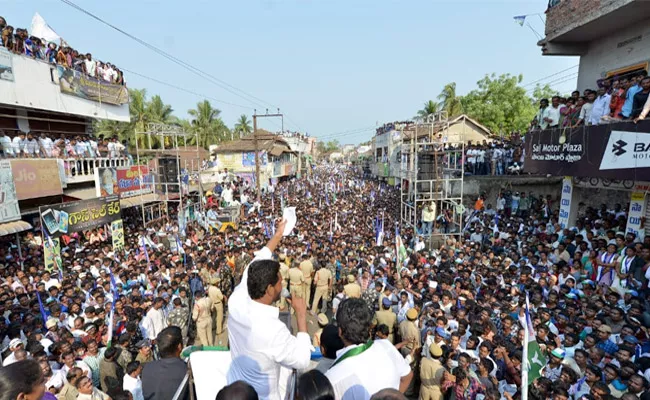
{"x": 520, "y": 19}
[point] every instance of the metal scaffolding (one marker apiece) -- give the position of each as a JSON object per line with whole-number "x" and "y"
{"x": 431, "y": 171}
{"x": 162, "y": 141}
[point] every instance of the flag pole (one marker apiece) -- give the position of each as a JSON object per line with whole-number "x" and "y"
{"x": 524, "y": 361}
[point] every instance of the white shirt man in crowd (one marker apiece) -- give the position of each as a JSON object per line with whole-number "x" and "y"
{"x": 600, "y": 107}
{"x": 355, "y": 374}
{"x": 46, "y": 145}
{"x": 155, "y": 321}
{"x": 260, "y": 344}
{"x": 18, "y": 144}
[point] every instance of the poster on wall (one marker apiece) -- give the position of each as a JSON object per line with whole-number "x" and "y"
{"x": 634, "y": 218}
{"x": 6, "y": 65}
{"x": 9, "y": 209}
{"x": 52, "y": 254}
{"x": 125, "y": 181}
{"x": 248, "y": 158}
{"x": 77, "y": 216}
{"x": 117, "y": 233}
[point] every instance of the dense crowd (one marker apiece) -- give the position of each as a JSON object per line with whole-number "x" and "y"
{"x": 620, "y": 98}
{"x": 19, "y": 41}
{"x": 44, "y": 145}
{"x": 441, "y": 321}
{"x": 501, "y": 157}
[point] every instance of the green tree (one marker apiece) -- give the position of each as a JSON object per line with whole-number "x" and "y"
{"x": 500, "y": 103}
{"x": 449, "y": 101}
{"x": 430, "y": 108}
{"x": 243, "y": 126}
{"x": 207, "y": 124}
{"x": 543, "y": 92}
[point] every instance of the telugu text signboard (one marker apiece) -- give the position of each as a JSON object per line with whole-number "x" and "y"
{"x": 77, "y": 216}
{"x": 619, "y": 151}
{"x": 125, "y": 181}
{"x": 81, "y": 85}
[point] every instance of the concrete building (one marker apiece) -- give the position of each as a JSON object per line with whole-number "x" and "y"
{"x": 611, "y": 37}
{"x": 277, "y": 159}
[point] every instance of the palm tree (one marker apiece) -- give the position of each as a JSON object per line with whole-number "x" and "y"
{"x": 207, "y": 124}
{"x": 243, "y": 126}
{"x": 430, "y": 108}
{"x": 449, "y": 101}
{"x": 159, "y": 111}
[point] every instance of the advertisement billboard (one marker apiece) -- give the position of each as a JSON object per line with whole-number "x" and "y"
{"x": 77, "y": 216}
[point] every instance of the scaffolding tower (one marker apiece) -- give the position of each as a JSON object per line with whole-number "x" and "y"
{"x": 431, "y": 171}
{"x": 159, "y": 149}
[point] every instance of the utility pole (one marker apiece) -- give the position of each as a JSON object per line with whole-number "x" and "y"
{"x": 257, "y": 149}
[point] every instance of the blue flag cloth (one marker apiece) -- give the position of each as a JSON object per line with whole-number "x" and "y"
{"x": 40, "y": 306}
{"x": 520, "y": 19}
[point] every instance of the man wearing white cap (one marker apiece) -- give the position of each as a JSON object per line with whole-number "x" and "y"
{"x": 14, "y": 345}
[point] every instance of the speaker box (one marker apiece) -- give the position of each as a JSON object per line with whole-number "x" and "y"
{"x": 168, "y": 172}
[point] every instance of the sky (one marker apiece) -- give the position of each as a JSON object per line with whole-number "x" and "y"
{"x": 336, "y": 68}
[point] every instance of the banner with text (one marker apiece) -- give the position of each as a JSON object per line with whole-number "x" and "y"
{"x": 77, "y": 216}
{"x": 565, "y": 202}
{"x": 117, "y": 233}
{"x": 637, "y": 211}
{"x": 78, "y": 84}
{"x": 9, "y": 210}
{"x": 619, "y": 151}
{"x": 125, "y": 181}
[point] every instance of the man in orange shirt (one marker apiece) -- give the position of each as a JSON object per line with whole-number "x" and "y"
{"x": 478, "y": 206}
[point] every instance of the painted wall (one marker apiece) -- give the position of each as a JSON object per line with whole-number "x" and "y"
{"x": 613, "y": 52}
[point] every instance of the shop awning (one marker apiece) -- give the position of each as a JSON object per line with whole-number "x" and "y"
{"x": 139, "y": 200}
{"x": 10, "y": 228}
{"x": 81, "y": 194}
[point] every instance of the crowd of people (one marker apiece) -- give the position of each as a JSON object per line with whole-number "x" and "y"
{"x": 44, "y": 145}
{"x": 501, "y": 157}
{"x": 19, "y": 41}
{"x": 616, "y": 99}
{"x": 393, "y": 321}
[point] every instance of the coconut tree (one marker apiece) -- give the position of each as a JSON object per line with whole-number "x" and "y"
{"x": 430, "y": 108}
{"x": 207, "y": 124}
{"x": 449, "y": 101}
{"x": 243, "y": 126}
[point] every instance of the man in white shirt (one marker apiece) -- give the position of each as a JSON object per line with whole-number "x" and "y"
{"x": 132, "y": 382}
{"x": 90, "y": 65}
{"x": 585, "y": 111}
{"x": 46, "y": 145}
{"x": 156, "y": 317}
{"x": 260, "y": 344}
{"x": 18, "y": 144}
{"x": 542, "y": 117}
{"x": 600, "y": 107}
{"x": 553, "y": 117}
{"x": 363, "y": 367}
{"x": 5, "y": 142}
{"x": 32, "y": 148}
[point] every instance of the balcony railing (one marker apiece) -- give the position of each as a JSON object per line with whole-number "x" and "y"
{"x": 79, "y": 170}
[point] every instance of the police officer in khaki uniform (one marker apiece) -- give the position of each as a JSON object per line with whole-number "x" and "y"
{"x": 409, "y": 332}
{"x": 322, "y": 322}
{"x": 296, "y": 280}
{"x": 352, "y": 289}
{"x": 431, "y": 374}
{"x": 387, "y": 317}
{"x": 323, "y": 279}
{"x": 201, "y": 314}
{"x": 307, "y": 269}
{"x": 217, "y": 299}
{"x": 284, "y": 272}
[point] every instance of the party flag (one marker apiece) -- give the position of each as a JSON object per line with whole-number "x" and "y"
{"x": 520, "y": 19}
{"x": 533, "y": 357}
{"x": 40, "y": 306}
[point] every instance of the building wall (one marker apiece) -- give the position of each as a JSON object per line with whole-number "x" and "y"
{"x": 612, "y": 53}
{"x": 464, "y": 132}
{"x": 36, "y": 85}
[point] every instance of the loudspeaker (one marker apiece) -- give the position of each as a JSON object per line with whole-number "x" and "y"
{"x": 168, "y": 172}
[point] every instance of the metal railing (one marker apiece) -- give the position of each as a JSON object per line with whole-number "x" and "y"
{"x": 83, "y": 169}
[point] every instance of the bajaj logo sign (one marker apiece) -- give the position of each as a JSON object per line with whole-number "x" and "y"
{"x": 619, "y": 148}
{"x": 626, "y": 150}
